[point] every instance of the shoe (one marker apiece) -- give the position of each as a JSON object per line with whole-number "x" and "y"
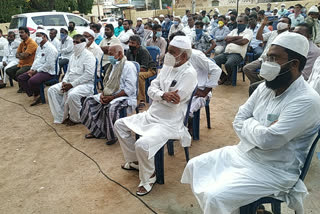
{"x": 112, "y": 141}
{"x": 36, "y": 102}
{"x": 21, "y": 91}
{"x": 2, "y": 85}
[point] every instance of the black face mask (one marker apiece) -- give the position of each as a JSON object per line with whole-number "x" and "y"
{"x": 132, "y": 48}
{"x": 281, "y": 80}
{"x": 70, "y": 29}
{"x": 120, "y": 23}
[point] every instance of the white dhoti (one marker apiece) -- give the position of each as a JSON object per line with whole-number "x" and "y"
{"x": 225, "y": 179}
{"x": 67, "y": 104}
{"x": 9, "y": 65}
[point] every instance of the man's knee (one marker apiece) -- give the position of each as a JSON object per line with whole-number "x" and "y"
{"x": 141, "y": 145}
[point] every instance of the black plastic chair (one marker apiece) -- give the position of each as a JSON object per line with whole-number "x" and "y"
{"x": 275, "y": 203}
{"x": 159, "y": 157}
{"x": 54, "y": 80}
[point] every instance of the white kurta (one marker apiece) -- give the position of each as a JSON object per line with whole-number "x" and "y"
{"x": 208, "y": 74}
{"x": 269, "y": 158}
{"x": 162, "y": 121}
{"x": 45, "y": 60}
{"x": 314, "y": 79}
{"x": 124, "y": 38}
{"x": 56, "y": 43}
{"x": 9, "y": 57}
{"x": 97, "y": 53}
{"x": 81, "y": 76}
{"x": 66, "y": 48}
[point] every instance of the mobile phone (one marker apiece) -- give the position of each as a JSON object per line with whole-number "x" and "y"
{"x": 173, "y": 83}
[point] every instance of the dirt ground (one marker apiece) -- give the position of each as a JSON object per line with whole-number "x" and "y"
{"x": 40, "y": 173}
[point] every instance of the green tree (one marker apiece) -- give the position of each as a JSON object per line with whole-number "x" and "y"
{"x": 85, "y": 6}
{"x": 9, "y": 8}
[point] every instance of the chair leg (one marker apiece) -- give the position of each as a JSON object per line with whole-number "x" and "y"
{"x": 159, "y": 165}
{"x": 170, "y": 147}
{"x": 147, "y": 84}
{"x": 196, "y": 125}
{"x": 234, "y": 76}
{"x": 42, "y": 96}
{"x": 207, "y": 107}
{"x": 186, "y": 151}
{"x": 11, "y": 82}
{"x": 276, "y": 207}
{"x": 243, "y": 75}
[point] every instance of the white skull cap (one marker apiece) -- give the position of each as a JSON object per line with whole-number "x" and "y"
{"x": 181, "y": 42}
{"x": 89, "y": 31}
{"x": 42, "y": 31}
{"x": 294, "y": 42}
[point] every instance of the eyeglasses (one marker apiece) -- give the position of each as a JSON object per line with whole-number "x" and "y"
{"x": 268, "y": 58}
{"x": 76, "y": 42}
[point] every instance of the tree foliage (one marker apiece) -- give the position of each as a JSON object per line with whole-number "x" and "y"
{"x": 9, "y": 8}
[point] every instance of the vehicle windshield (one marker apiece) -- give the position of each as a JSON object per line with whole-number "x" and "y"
{"x": 18, "y": 22}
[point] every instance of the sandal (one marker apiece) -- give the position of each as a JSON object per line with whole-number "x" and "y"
{"x": 89, "y": 136}
{"x": 148, "y": 187}
{"x": 130, "y": 166}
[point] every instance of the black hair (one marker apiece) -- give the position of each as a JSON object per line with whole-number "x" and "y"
{"x": 222, "y": 17}
{"x": 289, "y": 20}
{"x": 292, "y": 55}
{"x": 110, "y": 26}
{"x": 200, "y": 23}
{"x": 308, "y": 28}
{"x": 55, "y": 30}
{"x": 253, "y": 15}
{"x": 261, "y": 12}
{"x": 135, "y": 38}
{"x": 62, "y": 29}
{"x": 80, "y": 37}
{"x": 187, "y": 11}
{"x": 246, "y": 19}
{"x": 97, "y": 26}
{"x": 120, "y": 19}
{"x": 203, "y": 12}
{"x": 25, "y": 29}
{"x": 74, "y": 24}
{"x": 298, "y": 5}
{"x": 11, "y": 33}
{"x": 156, "y": 27}
{"x": 148, "y": 24}
{"x": 234, "y": 12}
{"x": 178, "y": 33}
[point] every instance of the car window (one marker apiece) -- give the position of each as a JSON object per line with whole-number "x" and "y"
{"x": 18, "y": 22}
{"x": 50, "y": 20}
{"x": 78, "y": 21}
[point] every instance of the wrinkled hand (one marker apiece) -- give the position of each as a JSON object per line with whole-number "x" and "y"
{"x": 172, "y": 97}
{"x": 66, "y": 86}
{"x": 200, "y": 93}
{"x": 105, "y": 99}
{"x": 31, "y": 73}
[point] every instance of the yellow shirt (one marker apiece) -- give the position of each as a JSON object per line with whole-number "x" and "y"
{"x": 72, "y": 34}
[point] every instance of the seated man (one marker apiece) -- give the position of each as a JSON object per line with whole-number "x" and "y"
{"x": 93, "y": 47}
{"x": 219, "y": 34}
{"x": 66, "y": 49}
{"x": 276, "y": 127}
{"x": 203, "y": 41}
{"x": 190, "y": 29}
{"x": 250, "y": 69}
{"x": 109, "y": 39}
{"x": 158, "y": 40}
{"x": 54, "y": 39}
{"x": 42, "y": 69}
{"x": 148, "y": 34}
{"x": 141, "y": 55}
{"x": 99, "y": 112}
{"x": 170, "y": 92}
{"x": 237, "y": 43}
{"x": 25, "y": 53}
{"x": 125, "y": 35}
{"x": 9, "y": 58}
{"x": 65, "y": 97}
{"x": 72, "y": 29}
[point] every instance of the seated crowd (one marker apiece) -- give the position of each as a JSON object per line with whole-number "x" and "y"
{"x": 276, "y": 125}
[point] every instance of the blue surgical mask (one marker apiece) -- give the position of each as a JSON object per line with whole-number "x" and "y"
{"x": 63, "y": 36}
{"x": 112, "y": 60}
{"x": 199, "y": 31}
{"x": 175, "y": 22}
{"x": 241, "y": 27}
{"x": 158, "y": 34}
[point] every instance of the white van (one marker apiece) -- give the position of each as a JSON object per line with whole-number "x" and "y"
{"x": 49, "y": 20}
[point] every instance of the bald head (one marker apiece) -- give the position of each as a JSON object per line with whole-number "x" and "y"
{"x": 116, "y": 51}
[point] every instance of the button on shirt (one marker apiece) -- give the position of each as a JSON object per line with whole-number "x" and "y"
{"x": 45, "y": 60}
{"x": 240, "y": 49}
{"x": 29, "y": 46}
{"x": 255, "y": 42}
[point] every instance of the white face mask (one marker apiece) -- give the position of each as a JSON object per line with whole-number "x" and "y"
{"x": 269, "y": 70}
{"x": 169, "y": 60}
{"x": 282, "y": 26}
{"x": 78, "y": 48}
{"x": 38, "y": 40}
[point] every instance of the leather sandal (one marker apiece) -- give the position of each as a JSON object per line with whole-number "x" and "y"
{"x": 148, "y": 187}
{"x": 130, "y": 166}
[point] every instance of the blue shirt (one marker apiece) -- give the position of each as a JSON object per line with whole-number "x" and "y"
{"x": 165, "y": 29}
{"x": 255, "y": 42}
{"x": 98, "y": 39}
{"x": 118, "y": 30}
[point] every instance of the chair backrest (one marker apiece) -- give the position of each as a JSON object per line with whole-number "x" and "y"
{"x": 154, "y": 51}
{"x": 96, "y": 77}
{"x": 185, "y": 122}
{"x": 138, "y": 70}
{"x": 309, "y": 158}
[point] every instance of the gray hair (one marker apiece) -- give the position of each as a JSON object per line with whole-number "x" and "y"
{"x": 117, "y": 48}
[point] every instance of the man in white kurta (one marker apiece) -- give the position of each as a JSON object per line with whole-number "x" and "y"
{"x": 314, "y": 79}
{"x": 208, "y": 74}
{"x": 170, "y": 92}
{"x": 276, "y": 127}
{"x": 93, "y": 47}
{"x": 65, "y": 97}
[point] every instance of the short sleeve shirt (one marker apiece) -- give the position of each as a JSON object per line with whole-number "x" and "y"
{"x": 240, "y": 49}
{"x": 204, "y": 43}
{"x": 29, "y": 46}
